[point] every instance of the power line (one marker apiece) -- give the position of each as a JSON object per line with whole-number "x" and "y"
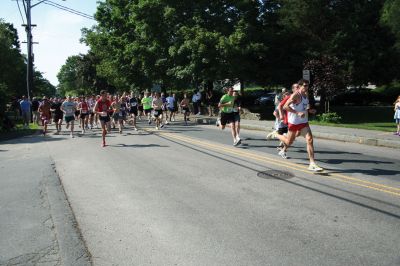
{"x": 67, "y": 9}
{"x": 19, "y": 8}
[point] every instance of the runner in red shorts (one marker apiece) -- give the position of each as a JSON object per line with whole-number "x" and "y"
{"x": 102, "y": 108}
{"x": 45, "y": 114}
{"x": 298, "y": 108}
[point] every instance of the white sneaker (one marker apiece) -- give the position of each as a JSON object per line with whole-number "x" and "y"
{"x": 238, "y": 140}
{"x": 173, "y": 119}
{"x": 218, "y": 122}
{"x": 282, "y": 153}
{"x": 72, "y": 136}
{"x": 314, "y": 167}
{"x": 235, "y": 143}
{"x": 135, "y": 128}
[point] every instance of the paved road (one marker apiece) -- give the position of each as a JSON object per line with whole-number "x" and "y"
{"x": 186, "y": 196}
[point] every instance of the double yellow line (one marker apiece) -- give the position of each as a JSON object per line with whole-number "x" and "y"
{"x": 270, "y": 160}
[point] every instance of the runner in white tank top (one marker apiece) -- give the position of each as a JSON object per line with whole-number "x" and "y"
{"x": 302, "y": 106}
{"x": 298, "y": 108}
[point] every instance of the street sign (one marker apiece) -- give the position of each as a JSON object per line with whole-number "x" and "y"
{"x": 236, "y": 87}
{"x": 307, "y": 75}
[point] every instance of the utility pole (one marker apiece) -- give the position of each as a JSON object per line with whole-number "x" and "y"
{"x": 28, "y": 28}
{"x": 29, "y": 74}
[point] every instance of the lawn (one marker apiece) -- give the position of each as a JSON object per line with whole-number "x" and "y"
{"x": 18, "y": 131}
{"x": 383, "y": 126}
{"x": 363, "y": 117}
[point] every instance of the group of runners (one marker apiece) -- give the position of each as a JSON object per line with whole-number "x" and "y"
{"x": 106, "y": 111}
{"x": 114, "y": 111}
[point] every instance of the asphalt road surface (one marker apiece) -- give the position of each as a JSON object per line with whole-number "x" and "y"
{"x": 184, "y": 195}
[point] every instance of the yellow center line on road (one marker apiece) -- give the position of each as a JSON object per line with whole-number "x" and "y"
{"x": 267, "y": 159}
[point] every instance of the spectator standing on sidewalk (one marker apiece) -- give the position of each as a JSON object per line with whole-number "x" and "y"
{"x": 397, "y": 115}
{"x": 209, "y": 101}
{"x": 25, "y": 106}
{"x": 196, "y": 99}
{"x": 35, "y": 112}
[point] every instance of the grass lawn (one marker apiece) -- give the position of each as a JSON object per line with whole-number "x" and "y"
{"x": 362, "y": 117}
{"x": 19, "y": 131}
{"x": 383, "y": 126}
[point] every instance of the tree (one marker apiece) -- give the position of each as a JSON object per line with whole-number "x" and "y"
{"x": 346, "y": 30}
{"x": 176, "y": 42}
{"x": 390, "y": 17}
{"x": 78, "y": 76}
{"x": 328, "y": 78}
{"x": 12, "y": 65}
{"x": 42, "y": 86}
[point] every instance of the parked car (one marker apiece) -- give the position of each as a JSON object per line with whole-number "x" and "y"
{"x": 266, "y": 99}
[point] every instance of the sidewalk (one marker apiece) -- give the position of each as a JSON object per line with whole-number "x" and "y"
{"x": 361, "y": 136}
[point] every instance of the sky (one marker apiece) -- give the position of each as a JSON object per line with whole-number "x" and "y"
{"x": 57, "y": 32}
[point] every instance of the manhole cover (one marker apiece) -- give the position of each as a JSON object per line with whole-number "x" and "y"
{"x": 275, "y": 174}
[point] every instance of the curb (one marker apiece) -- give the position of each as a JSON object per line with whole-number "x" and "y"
{"x": 321, "y": 135}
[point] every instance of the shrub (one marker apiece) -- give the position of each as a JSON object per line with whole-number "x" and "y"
{"x": 329, "y": 118}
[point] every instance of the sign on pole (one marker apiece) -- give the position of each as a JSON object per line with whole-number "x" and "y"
{"x": 236, "y": 87}
{"x": 307, "y": 75}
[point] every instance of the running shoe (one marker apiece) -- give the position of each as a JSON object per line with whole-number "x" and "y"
{"x": 235, "y": 142}
{"x": 238, "y": 141}
{"x": 162, "y": 125}
{"x": 149, "y": 122}
{"x": 72, "y": 136}
{"x": 103, "y": 144}
{"x": 167, "y": 123}
{"x": 396, "y": 133}
{"x": 173, "y": 119}
{"x": 314, "y": 167}
{"x": 282, "y": 153}
{"x": 218, "y": 122}
{"x": 135, "y": 128}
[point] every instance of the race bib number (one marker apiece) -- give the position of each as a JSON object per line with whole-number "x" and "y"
{"x": 103, "y": 114}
